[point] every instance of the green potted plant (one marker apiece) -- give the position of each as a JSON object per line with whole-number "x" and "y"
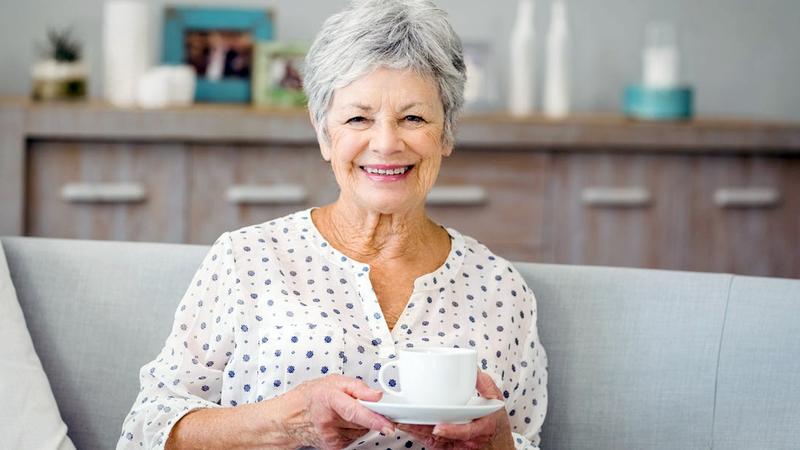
{"x": 60, "y": 74}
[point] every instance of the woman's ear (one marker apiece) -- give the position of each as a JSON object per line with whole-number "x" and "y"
{"x": 447, "y": 150}
{"x": 324, "y": 147}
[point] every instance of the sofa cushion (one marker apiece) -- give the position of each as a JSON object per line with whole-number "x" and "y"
{"x": 98, "y": 312}
{"x": 758, "y": 399}
{"x": 29, "y": 418}
{"x": 632, "y": 355}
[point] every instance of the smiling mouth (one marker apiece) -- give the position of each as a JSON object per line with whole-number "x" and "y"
{"x": 400, "y": 170}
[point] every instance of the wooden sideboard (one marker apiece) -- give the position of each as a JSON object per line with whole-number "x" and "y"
{"x": 706, "y": 195}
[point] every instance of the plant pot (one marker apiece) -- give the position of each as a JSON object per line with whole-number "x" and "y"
{"x": 55, "y": 80}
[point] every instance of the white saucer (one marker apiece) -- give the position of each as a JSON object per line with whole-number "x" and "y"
{"x": 398, "y": 410}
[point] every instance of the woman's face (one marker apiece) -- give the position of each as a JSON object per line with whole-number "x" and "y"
{"x": 386, "y": 140}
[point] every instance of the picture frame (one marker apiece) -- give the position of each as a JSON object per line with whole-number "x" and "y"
{"x": 218, "y": 43}
{"x": 278, "y": 74}
{"x": 480, "y": 91}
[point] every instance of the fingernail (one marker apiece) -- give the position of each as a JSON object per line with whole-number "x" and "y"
{"x": 437, "y": 431}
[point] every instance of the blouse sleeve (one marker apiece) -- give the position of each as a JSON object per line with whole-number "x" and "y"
{"x": 526, "y": 401}
{"x": 187, "y": 374}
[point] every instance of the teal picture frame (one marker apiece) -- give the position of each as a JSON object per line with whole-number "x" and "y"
{"x": 179, "y": 20}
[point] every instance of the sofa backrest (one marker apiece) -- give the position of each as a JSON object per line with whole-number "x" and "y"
{"x": 639, "y": 359}
{"x": 97, "y": 311}
{"x": 633, "y": 355}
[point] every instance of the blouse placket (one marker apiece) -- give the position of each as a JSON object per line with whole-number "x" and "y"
{"x": 382, "y": 337}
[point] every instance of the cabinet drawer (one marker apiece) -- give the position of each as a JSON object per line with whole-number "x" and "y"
{"x": 496, "y": 197}
{"x": 715, "y": 214}
{"x": 620, "y": 209}
{"x": 746, "y": 215}
{"x": 106, "y": 191}
{"x": 235, "y": 186}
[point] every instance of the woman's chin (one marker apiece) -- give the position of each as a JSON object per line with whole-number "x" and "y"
{"x": 384, "y": 204}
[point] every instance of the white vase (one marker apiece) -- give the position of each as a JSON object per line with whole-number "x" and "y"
{"x": 522, "y": 82}
{"x": 126, "y": 55}
{"x": 557, "y": 68}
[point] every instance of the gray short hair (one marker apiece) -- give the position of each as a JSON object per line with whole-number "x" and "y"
{"x": 398, "y": 34}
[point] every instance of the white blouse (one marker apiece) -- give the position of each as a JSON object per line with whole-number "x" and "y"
{"x": 273, "y": 305}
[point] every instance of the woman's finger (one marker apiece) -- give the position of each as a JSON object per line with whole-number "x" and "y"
{"x": 486, "y": 387}
{"x": 425, "y": 439}
{"x": 424, "y": 435}
{"x": 353, "y": 433}
{"x": 485, "y": 426}
{"x": 341, "y": 423}
{"x": 426, "y": 430}
{"x": 351, "y": 411}
{"x": 357, "y": 389}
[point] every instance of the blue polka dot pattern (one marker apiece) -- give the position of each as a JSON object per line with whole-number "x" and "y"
{"x": 274, "y": 304}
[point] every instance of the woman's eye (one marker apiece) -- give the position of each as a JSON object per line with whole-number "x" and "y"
{"x": 357, "y": 119}
{"x": 417, "y": 119}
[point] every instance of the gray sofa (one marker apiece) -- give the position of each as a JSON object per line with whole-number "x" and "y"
{"x": 639, "y": 359}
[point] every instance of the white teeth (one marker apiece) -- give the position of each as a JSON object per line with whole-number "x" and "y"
{"x": 398, "y": 171}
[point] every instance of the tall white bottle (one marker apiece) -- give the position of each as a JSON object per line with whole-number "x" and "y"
{"x": 557, "y": 70}
{"x": 126, "y": 55}
{"x": 522, "y": 81}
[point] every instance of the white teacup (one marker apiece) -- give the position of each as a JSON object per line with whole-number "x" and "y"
{"x": 437, "y": 376}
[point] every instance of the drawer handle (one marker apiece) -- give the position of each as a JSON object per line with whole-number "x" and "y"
{"x": 103, "y": 193}
{"x": 747, "y": 197}
{"x": 276, "y": 194}
{"x": 457, "y": 196}
{"x": 611, "y": 197}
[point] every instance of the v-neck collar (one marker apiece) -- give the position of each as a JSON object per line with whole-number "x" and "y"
{"x": 433, "y": 281}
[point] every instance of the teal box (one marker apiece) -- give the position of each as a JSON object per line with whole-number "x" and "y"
{"x": 642, "y": 102}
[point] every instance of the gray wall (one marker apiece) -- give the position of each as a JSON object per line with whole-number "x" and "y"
{"x": 743, "y": 56}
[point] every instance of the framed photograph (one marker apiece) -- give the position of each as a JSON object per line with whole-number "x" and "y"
{"x": 480, "y": 91}
{"x": 219, "y": 44}
{"x": 278, "y": 70}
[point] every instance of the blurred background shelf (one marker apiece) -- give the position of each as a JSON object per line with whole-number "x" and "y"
{"x": 709, "y": 194}
{"x": 244, "y": 123}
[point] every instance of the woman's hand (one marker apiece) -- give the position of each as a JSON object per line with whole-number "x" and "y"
{"x": 327, "y": 414}
{"x": 488, "y": 432}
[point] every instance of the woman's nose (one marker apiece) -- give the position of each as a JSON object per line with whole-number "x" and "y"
{"x": 386, "y": 139}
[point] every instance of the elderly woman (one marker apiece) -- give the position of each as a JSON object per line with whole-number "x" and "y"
{"x": 286, "y": 324}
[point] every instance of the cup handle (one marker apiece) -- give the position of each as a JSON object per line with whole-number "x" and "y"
{"x": 386, "y": 387}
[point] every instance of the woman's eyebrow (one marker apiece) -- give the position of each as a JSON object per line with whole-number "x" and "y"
{"x": 410, "y": 105}
{"x": 361, "y": 106}
{"x": 367, "y": 108}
